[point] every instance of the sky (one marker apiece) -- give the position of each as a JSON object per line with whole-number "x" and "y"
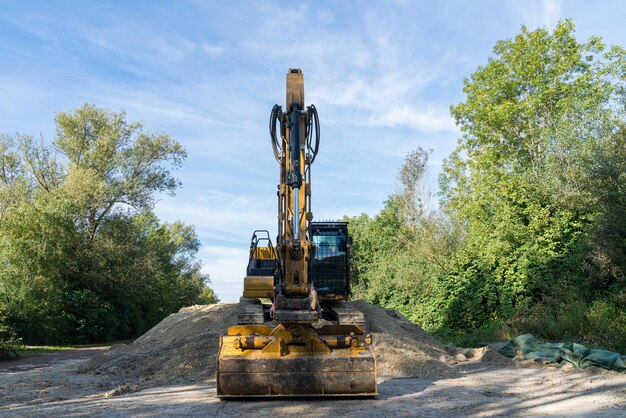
{"x": 382, "y": 75}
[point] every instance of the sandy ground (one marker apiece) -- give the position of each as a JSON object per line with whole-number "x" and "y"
{"x": 48, "y": 385}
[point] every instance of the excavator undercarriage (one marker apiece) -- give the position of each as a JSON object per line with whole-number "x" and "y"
{"x": 296, "y": 332}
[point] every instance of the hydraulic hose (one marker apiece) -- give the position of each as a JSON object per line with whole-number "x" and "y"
{"x": 276, "y": 115}
{"x": 313, "y": 124}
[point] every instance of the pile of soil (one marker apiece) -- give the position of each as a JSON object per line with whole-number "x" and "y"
{"x": 402, "y": 347}
{"x": 183, "y": 347}
{"x": 180, "y": 349}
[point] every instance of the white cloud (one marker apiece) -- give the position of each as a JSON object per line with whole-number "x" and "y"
{"x": 224, "y": 223}
{"x": 541, "y": 13}
{"x": 22, "y": 93}
{"x": 221, "y": 216}
{"x": 392, "y": 100}
{"x": 551, "y": 12}
{"x": 428, "y": 119}
{"x": 149, "y": 104}
{"x": 210, "y": 49}
{"x": 141, "y": 44}
{"x": 376, "y": 76}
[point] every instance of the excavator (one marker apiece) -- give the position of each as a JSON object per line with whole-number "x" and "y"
{"x": 296, "y": 332}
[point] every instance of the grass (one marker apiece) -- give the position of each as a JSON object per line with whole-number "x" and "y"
{"x": 31, "y": 350}
{"x": 34, "y": 349}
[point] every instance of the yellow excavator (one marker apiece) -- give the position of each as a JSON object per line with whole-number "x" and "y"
{"x": 296, "y": 332}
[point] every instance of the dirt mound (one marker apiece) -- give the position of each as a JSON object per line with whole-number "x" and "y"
{"x": 180, "y": 349}
{"x": 183, "y": 347}
{"x": 486, "y": 354}
{"x": 402, "y": 347}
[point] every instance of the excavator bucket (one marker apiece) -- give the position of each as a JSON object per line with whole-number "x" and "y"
{"x": 296, "y": 360}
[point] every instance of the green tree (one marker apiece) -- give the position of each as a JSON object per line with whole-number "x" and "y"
{"x": 13, "y": 184}
{"x": 399, "y": 256}
{"x": 531, "y": 236}
{"x": 110, "y": 163}
{"x": 525, "y": 180}
{"x": 413, "y": 195}
{"x": 83, "y": 257}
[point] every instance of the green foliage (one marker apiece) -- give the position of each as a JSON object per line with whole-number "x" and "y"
{"x": 82, "y": 257}
{"x": 532, "y": 232}
{"x": 399, "y": 256}
{"x": 9, "y": 344}
{"x": 536, "y": 121}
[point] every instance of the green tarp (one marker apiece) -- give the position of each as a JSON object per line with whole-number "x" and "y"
{"x": 563, "y": 353}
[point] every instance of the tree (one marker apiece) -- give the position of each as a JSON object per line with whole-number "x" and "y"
{"x": 523, "y": 180}
{"x": 82, "y": 256}
{"x": 399, "y": 256}
{"x": 531, "y": 235}
{"x": 13, "y": 185}
{"x": 412, "y": 190}
{"x": 112, "y": 163}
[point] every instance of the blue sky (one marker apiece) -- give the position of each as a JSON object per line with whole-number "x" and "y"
{"x": 382, "y": 75}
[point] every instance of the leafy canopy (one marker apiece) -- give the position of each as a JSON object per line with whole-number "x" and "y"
{"x": 82, "y": 256}
{"x": 532, "y": 232}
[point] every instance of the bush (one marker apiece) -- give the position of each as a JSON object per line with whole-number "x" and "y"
{"x": 607, "y": 323}
{"x": 8, "y": 342}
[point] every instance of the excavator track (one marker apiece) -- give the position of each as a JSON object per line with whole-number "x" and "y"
{"x": 346, "y": 314}
{"x": 250, "y": 312}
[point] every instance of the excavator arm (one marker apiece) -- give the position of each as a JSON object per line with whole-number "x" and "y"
{"x": 295, "y": 297}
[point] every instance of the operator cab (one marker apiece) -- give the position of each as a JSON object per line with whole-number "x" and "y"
{"x": 262, "y": 262}
{"x": 330, "y": 271}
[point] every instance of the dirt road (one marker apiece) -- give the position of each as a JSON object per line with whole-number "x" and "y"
{"x": 49, "y": 386}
